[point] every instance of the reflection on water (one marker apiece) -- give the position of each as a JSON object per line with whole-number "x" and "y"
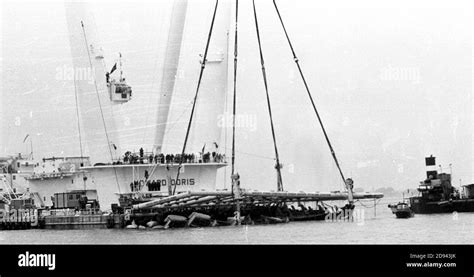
{"x": 384, "y": 228}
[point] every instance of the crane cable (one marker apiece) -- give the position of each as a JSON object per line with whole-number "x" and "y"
{"x": 203, "y": 65}
{"x": 79, "y": 128}
{"x": 368, "y": 206}
{"x": 100, "y": 107}
{"x": 262, "y": 62}
{"x": 333, "y": 153}
{"x": 155, "y": 165}
{"x": 235, "y": 87}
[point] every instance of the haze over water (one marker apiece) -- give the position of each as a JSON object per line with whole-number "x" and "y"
{"x": 392, "y": 81}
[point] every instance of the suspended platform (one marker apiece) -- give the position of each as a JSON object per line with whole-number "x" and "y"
{"x": 225, "y": 198}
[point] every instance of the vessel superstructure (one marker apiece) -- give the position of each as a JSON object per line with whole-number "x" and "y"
{"x": 106, "y": 168}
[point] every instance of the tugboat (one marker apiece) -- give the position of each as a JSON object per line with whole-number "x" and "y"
{"x": 437, "y": 195}
{"x": 402, "y": 210}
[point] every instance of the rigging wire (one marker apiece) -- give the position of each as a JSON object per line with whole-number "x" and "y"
{"x": 153, "y": 168}
{"x": 367, "y": 206}
{"x": 278, "y": 165}
{"x": 226, "y": 109}
{"x": 309, "y": 94}
{"x": 79, "y": 126}
{"x": 203, "y": 65}
{"x": 100, "y": 107}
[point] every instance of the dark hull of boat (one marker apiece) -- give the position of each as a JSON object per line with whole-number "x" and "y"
{"x": 320, "y": 216}
{"x": 200, "y": 220}
{"x": 173, "y": 221}
{"x": 404, "y": 214}
{"x": 274, "y": 219}
{"x": 421, "y": 206}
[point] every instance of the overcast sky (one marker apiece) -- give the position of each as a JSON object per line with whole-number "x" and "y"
{"x": 392, "y": 81}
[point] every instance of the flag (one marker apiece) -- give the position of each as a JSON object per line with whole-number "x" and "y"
{"x": 204, "y": 147}
{"x": 217, "y": 146}
{"x": 26, "y": 137}
{"x": 113, "y": 68}
{"x": 115, "y": 147}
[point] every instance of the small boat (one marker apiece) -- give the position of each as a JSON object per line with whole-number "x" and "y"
{"x": 175, "y": 221}
{"x": 232, "y": 221}
{"x": 199, "y": 219}
{"x": 132, "y": 226}
{"x": 402, "y": 210}
{"x": 307, "y": 214}
{"x": 151, "y": 223}
{"x": 228, "y": 222}
{"x": 274, "y": 220}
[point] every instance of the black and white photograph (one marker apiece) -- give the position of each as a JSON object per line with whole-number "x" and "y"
{"x": 141, "y": 131}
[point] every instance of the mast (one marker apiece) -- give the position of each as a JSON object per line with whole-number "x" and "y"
{"x": 121, "y": 70}
{"x": 348, "y": 183}
{"x": 234, "y": 98}
{"x": 2, "y": 118}
{"x": 170, "y": 69}
{"x": 31, "y": 148}
{"x": 235, "y": 177}
{"x": 203, "y": 66}
{"x": 262, "y": 62}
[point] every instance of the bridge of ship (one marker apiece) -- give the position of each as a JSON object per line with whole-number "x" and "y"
{"x": 223, "y": 198}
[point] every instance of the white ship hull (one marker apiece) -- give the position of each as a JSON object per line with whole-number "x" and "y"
{"x": 112, "y": 180}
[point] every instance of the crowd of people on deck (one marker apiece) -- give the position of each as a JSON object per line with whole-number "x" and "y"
{"x": 136, "y": 185}
{"x": 153, "y": 185}
{"x": 149, "y": 158}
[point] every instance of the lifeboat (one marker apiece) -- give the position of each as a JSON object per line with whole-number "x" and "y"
{"x": 172, "y": 221}
{"x": 199, "y": 220}
{"x": 274, "y": 220}
{"x": 151, "y": 224}
{"x": 132, "y": 226}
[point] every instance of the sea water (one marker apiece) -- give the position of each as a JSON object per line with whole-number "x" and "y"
{"x": 369, "y": 226}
